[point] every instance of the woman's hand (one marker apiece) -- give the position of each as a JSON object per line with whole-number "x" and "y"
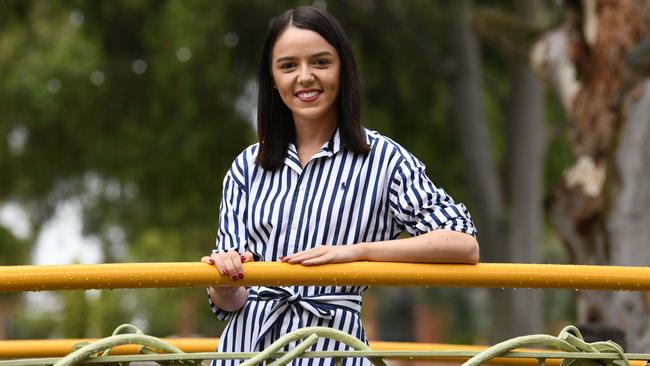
{"x": 437, "y": 246}
{"x": 325, "y": 254}
{"x": 229, "y": 263}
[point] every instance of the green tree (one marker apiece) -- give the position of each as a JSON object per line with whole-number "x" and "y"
{"x": 137, "y": 108}
{"x": 12, "y": 251}
{"x": 75, "y": 314}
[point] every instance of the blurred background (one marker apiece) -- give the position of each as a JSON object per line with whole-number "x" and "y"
{"x": 119, "y": 119}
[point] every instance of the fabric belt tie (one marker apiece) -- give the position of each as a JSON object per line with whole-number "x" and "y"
{"x": 323, "y": 306}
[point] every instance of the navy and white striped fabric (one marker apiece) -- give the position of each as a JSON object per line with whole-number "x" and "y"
{"x": 338, "y": 198}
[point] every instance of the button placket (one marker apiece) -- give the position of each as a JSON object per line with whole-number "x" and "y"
{"x": 301, "y": 190}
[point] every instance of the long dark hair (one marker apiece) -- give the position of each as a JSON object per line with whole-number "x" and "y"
{"x": 275, "y": 127}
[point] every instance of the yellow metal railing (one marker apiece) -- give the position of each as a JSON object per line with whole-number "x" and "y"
{"x": 164, "y": 275}
{"x": 48, "y": 352}
{"x": 152, "y": 275}
{"x": 61, "y": 347}
{"x": 446, "y": 353}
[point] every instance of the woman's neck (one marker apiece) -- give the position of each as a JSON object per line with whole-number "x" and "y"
{"x": 310, "y": 136}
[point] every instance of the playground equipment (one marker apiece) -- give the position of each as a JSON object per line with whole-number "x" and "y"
{"x": 569, "y": 344}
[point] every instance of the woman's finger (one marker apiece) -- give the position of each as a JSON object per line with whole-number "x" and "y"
{"x": 307, "y": 255}
{"x": 247, "y": 257}
{"x": 317, "y": 261}
{"x": 304, "y": 252}
{"x": 233, "y": 263}
{"x": 219, "y": 263}
{"x": 325, "y": 255}
{"x": 297, "y": 257}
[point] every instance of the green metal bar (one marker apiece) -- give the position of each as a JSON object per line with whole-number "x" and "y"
{"x": 307, "y": 332}
{"x": 113, "y": 341}
{"x": 569, "y": 339}
{"x": 297, "y": 351}
{"x": 331, "y": 354}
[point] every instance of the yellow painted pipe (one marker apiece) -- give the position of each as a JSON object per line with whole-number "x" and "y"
{"x": 152, "y": 275}
{"x": 36, "y": 348}
{"x": 61, "y": 347}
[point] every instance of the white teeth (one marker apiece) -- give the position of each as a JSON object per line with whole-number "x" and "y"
{"x": 307, "y": 95}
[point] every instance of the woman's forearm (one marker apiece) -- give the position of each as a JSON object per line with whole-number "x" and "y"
{"x": 438, "y": 246}
{"x": 228, "y": 298}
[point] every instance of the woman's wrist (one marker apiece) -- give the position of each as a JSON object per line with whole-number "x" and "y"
{"x": 226, "y": 291}
{"x": 360, "y": 251}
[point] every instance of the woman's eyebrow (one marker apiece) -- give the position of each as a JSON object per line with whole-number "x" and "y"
{"x": 319, "y": 54}
{"x": 285, "y": 58}
{"x": 324, "y": 53}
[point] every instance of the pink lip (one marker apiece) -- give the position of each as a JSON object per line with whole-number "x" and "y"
{"x": 310, "y": 99}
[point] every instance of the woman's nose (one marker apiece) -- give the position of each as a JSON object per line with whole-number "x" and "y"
{"x": 305, "y": 76}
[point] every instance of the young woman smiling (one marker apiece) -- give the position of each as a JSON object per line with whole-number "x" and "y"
{"x": 319, "y": 188}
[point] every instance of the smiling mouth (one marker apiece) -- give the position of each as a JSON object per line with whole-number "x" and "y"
{"x": 308, "y": 96}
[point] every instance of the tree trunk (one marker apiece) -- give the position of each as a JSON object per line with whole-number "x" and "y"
{"x": 5, "y": 313}
{"x": 600, "y": 206}
{"x": 465, "y": 85}
{"x": 525, "y": 144}
{"x": 628, "y": 221}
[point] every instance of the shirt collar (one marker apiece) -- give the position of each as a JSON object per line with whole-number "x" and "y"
{"x": 332, "y": 146}
{"x": 328, "y": 149}
{"x": 335, "y": 144}
{"x": 292, "y": 159}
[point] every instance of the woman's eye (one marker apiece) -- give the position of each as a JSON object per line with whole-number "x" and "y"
{"x": 322, "y": 63}
{"x": 287, "y": 66}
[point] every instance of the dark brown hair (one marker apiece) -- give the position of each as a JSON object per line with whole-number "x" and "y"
{"x": 275, "y": 128}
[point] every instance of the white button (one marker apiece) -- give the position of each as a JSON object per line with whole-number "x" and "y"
{"x": 302, "y": 188}
{"x": 294, "y": 226}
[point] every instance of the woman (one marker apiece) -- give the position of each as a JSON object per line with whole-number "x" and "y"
{"x": 318, "y": 188}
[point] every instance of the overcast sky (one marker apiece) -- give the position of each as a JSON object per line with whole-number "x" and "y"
{"x": 60, "y": 240}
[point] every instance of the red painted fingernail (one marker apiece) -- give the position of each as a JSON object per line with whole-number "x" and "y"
{"x": 235, "y": 278}
{"x": 241, "y": 275}
{"x": 225, "y": 272}
{"x": 211, "y": 261}
{"x": 243, "y": 258}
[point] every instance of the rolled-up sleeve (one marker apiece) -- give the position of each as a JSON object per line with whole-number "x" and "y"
{"x": 232, "y": 234}
{"x": 419, "y": 206}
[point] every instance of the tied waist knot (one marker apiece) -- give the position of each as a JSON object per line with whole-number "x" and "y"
{"x": 323, "y": 306}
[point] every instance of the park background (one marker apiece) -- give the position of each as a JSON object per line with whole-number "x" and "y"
{"x": 119, "y": 119}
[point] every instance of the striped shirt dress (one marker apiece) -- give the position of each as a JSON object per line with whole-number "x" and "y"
{"x": 338, "y": 198}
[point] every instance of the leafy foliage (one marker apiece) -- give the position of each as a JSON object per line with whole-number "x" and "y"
{"x": 137, "y": 108}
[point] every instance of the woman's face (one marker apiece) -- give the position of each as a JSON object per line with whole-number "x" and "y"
{"x": 306, "y": 70}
